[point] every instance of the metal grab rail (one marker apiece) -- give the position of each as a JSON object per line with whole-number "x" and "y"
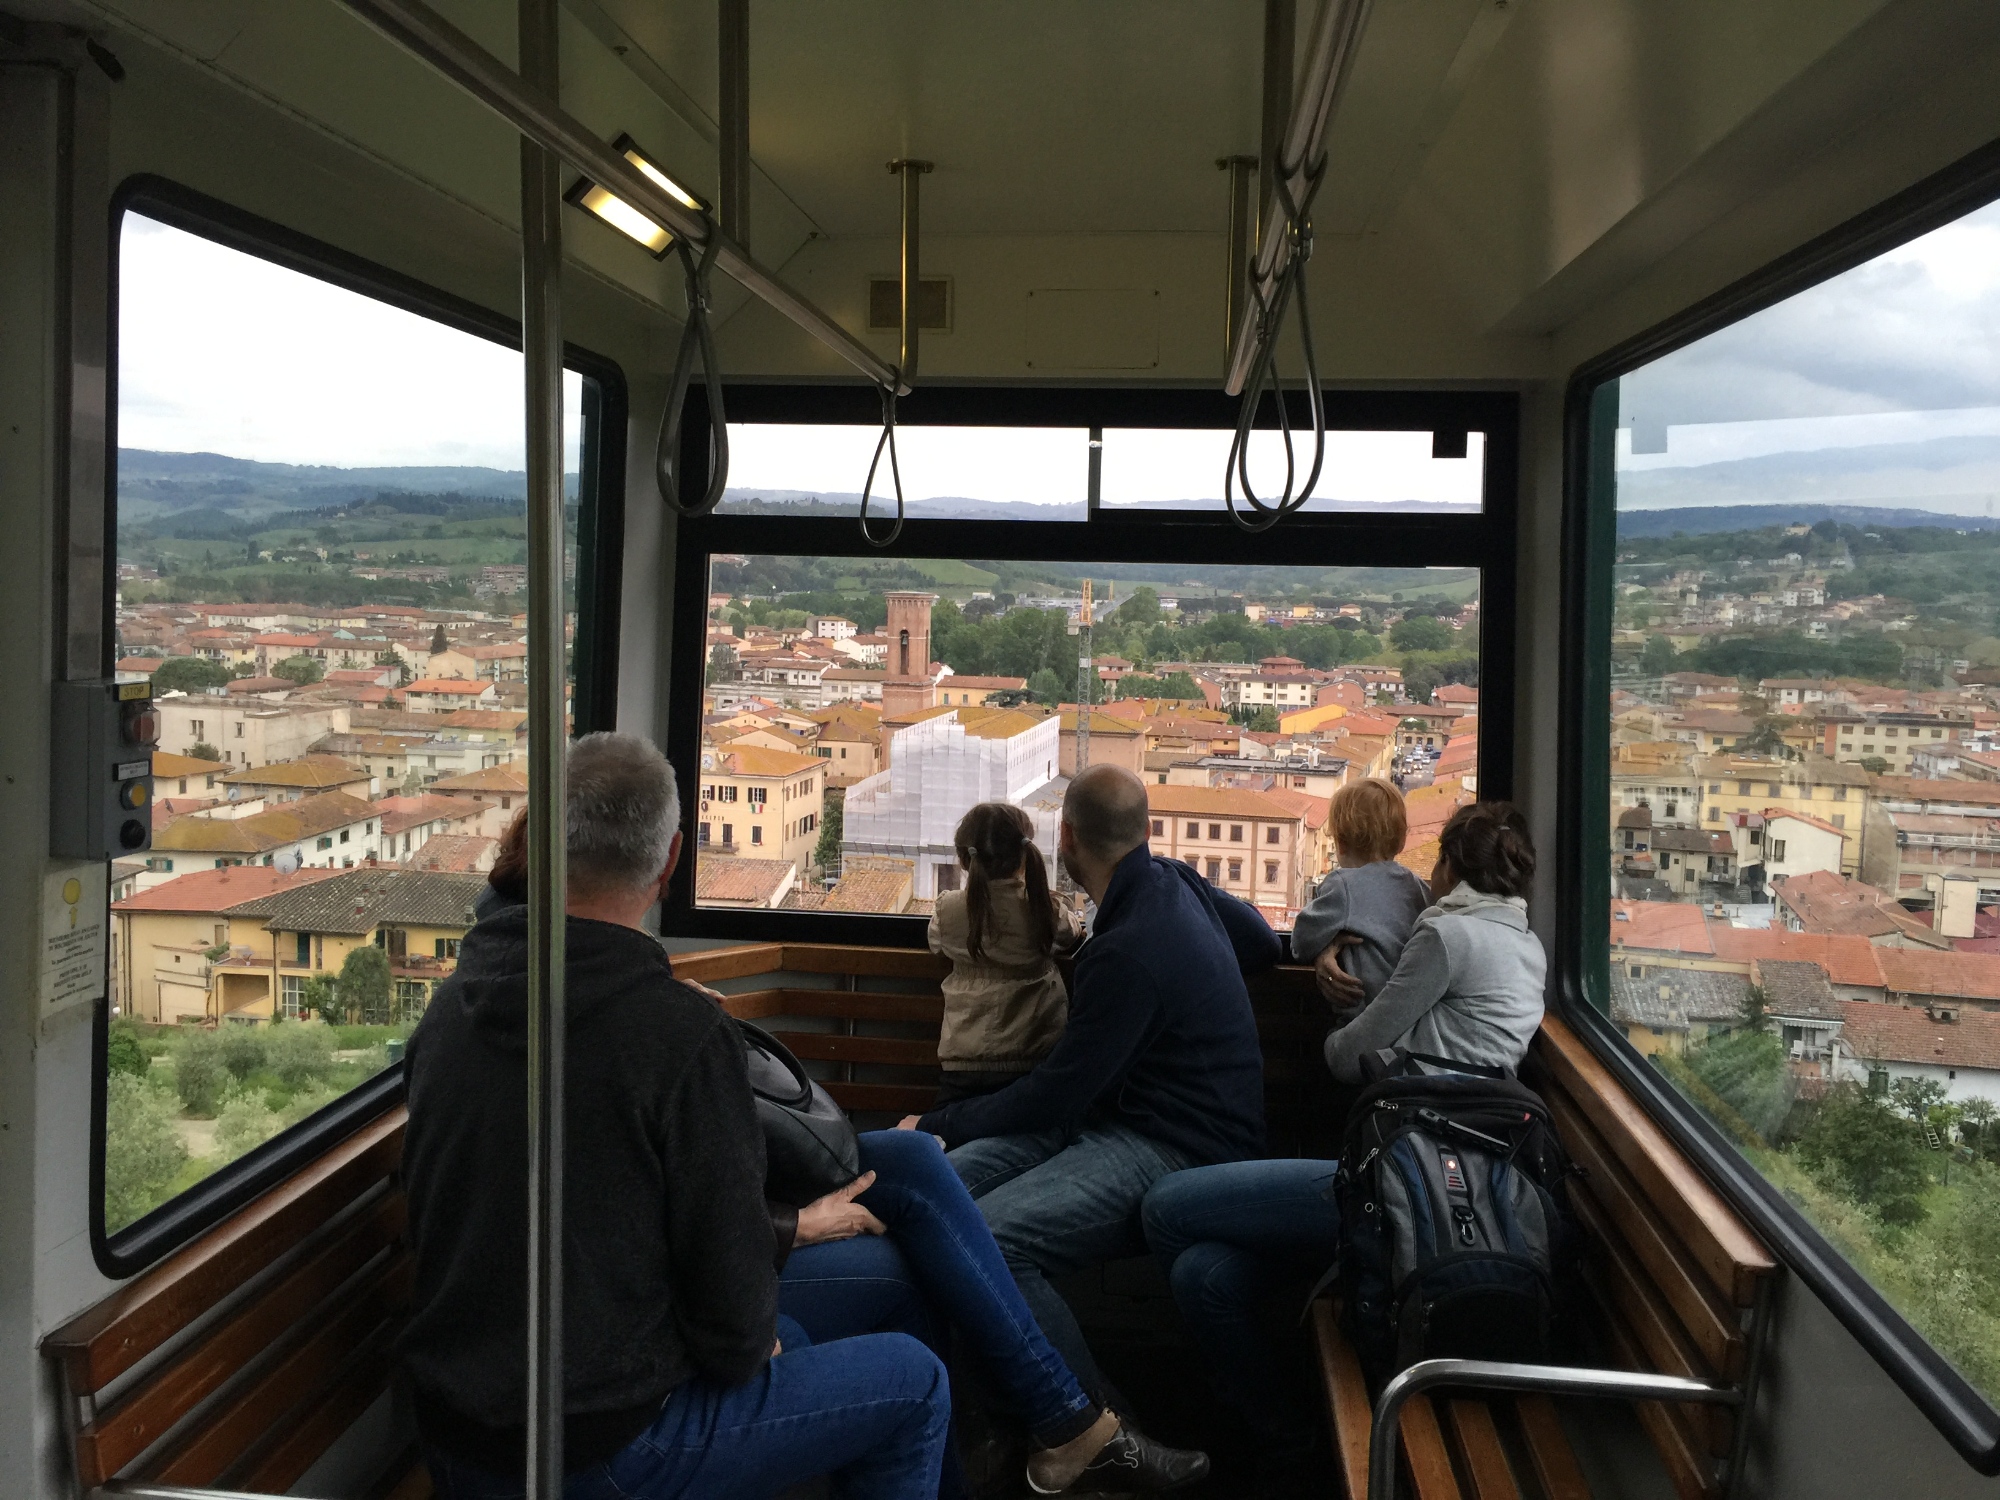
{"x": 432, "y": 39}
{"x": 1494, "y": 1375}
{"x": 1301, "y": 153}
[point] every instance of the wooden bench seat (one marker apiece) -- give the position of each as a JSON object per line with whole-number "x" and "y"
{"x": 239, "y": 1360}
{"x": 1676, "y": 1284}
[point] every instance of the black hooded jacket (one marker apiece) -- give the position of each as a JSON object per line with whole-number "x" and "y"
{"x": 667, "y": 1244}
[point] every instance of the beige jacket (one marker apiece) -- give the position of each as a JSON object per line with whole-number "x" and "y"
{"x": 1003, "y": 1012}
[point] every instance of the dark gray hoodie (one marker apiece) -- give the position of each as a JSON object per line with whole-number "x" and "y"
{"x": 1379, "y": 903}
{"x": 667, "y": 1244}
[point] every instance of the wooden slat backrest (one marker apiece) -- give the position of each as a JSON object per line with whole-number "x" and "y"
{"x": 1554, "y": 1462}
{"x": 845, "y": 1005}
{"x": 878, "y": 1051}
{"x": 883, "y": 1098}
{"x": 710, "y": 965}
{"x": 1424, "y": 1451}
{"x": 1479, "y": 1445}
{"x": 297, "y": 1442}
{"x": 1719, "y": 1240}
{"x": 874, "y": 963}
{"x": 244, "y": 1420}
{"x": 124, "y": 1430}
{"x": 103, "y": 1342}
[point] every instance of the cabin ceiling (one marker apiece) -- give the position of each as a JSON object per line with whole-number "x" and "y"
{"x": 1498, "y": 168}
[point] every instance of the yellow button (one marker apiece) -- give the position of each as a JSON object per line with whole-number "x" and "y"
{"x": 132, "y": 794}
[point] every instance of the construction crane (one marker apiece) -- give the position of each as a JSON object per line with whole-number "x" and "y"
{"x": 1083, "y": 676}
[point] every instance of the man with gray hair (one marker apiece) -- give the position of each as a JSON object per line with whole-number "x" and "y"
{"x": 1159, "y": 1066}
{"x": 673, "y": 1385}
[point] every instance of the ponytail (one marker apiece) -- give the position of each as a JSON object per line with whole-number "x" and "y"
{"x": 996, "y": 841}
{"x": 1489, "y": 848}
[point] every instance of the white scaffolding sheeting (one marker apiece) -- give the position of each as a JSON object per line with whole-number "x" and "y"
{"x": 937, "y": 771}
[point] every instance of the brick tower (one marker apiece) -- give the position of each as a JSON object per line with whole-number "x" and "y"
{"x": 908, "y": 686}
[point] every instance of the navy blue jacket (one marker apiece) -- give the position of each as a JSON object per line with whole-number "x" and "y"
{"x": 1160, "y": 1036}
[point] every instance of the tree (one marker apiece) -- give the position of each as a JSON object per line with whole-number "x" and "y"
{"x": 1143, "y": 608}
{"x": 123, "y": 1052}
{"x": 832, "y": 823}
{"x": 1421, "y": 633}
{"x": 299, "y": 1053}
{"x": 319, "y": 996}
{"x": 202, "y": 750}
{"x": 722, "y": 663}
{"x": 300, "y": 669}
{"x": 1874, "y": 765}
{"x": 1046, "y": 686}
{"x": 365, "y": 988}
{"x": 1657, "y": 659}
{"x": 143, "y": 1153}
{"x": 200, "y": 1076}
{"x": 1975, "y": 1120}
{"x": 242, "y": 1050}
{"x": 1917, "y": 1097}
{"x": 439, "y": 641}
{"x": 1856, "y": 1145}
{"x": 190, "y": 674}
{"x": 1263, "y": 720}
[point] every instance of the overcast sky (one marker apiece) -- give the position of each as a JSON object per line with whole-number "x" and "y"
{"x": 1903, "y": 349}
{"x": 221, "y": 352}
{"x": 1051, "y": 465}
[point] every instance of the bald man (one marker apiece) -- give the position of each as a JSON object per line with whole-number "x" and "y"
{"x": 1158, "y": 1068}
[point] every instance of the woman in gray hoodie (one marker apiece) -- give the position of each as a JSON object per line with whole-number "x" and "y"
{"x": 1467, "y": 988}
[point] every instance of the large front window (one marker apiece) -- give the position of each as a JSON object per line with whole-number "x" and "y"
{"x": 1805, "y": 574}
{"x": 1027, "y": 624}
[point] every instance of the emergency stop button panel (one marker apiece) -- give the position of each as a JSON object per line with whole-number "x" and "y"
{"x": 101, "y": 769}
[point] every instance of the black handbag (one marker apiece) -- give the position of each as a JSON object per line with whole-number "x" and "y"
{"x": 810, "y": 1149}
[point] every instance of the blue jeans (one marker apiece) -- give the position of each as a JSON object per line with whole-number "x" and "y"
{"x": 872, "y": 1412}
{"x": 1058, "y": 1203}
{"x": 938, "y": 1257}
{"x": 1231, "y": 1237}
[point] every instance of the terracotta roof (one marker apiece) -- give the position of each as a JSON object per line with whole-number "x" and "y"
{"x": 1662, "y": 926}
{"x": 1874, "y": 1032}
{"x": 472, "y": 687}
{"x": 1671, "y": 998}
{"x": 184, "y": 765}
{"x": 744, "y": 882}
{"x": 248, "y": 685}
{"x": 199, "y": 835}
{"x": 1772, "y": 814}
{"x": 354, "y": 902}
{"x": 1691, "y": 841}
{"x": 307, "y": 817}
{"x": 1913, "y": 789}
{"x": 1313, "y": 809}
{"x": 1952, "y": 975}
{"x": 308, "y": 771}
{"x": 217, "y": 890}
{"x": 484, "y": 718}
{"x": 757, "y": 760}
{"x": 870, "y": 890}
{"x": 1796, "y": 989}
{"x": 511, "y": 778}
{"x": 400, "y": 813}
{"x": 1847, "y": 959}
{"x": 455, "y": 852}
{"x": 990, "y": 684}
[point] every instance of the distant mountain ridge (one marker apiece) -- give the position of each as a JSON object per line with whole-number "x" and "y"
{"x": 1702, "y": 520}
{"x": 154, "y": 483}
{"x": 755, "y": 501}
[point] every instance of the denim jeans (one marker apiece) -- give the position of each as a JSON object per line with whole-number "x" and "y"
{"x": 1058, "y": 1203}
{"x": 1231, "y": 1237}
{"x": 872, "y": 1412}
{"x": 938, "y": 1244}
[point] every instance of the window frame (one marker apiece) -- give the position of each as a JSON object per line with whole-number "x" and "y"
{"x": 1486, "y": 541}
{"x": 1965, "y": 1417}
{"x": 600, "y": 538}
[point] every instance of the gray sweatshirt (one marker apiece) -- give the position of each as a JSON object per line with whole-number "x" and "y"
{"x": 1469, "y": 987}
{"x": 1379, "y": 903}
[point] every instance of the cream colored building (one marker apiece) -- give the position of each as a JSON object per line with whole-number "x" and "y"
{"x": 765, "y": 803}
{"x": 251, "y": 733}
{"x": 1836, "y": 794}
{"x": 1254, "y": 845}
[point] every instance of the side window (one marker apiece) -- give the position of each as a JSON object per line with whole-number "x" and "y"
{"x": 1819, "y": 988}
{"x": 283, "y": 438}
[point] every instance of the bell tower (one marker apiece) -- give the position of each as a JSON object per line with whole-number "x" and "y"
{"x": 908, "y": 685}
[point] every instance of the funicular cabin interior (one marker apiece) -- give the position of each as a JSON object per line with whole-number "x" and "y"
{"x": 371, "y": 372}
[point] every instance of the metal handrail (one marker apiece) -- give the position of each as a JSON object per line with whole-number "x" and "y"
{"x": 432, "y": 39}
{"x": 1303, "y": 152}
{"x": 1495, "y": 1375}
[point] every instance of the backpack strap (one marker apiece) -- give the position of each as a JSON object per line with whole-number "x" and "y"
{"x": 1478, "y": 1070}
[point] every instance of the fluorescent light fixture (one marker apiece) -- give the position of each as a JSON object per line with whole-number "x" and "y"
{"x": 621, "y": 215}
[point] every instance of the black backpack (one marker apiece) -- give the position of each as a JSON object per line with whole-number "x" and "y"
{"x": 1455, "y": 1234}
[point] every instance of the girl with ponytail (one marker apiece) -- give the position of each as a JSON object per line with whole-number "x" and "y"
{"x": 1004, "y": 1002}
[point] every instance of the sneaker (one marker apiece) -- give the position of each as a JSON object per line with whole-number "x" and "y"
{"x": 1130, "y": 1461}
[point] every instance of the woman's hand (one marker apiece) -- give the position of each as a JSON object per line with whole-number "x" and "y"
{"x": 1340, "y": 988}
{"x": 911, "y": 1122}
{"x": 837, "y": 1216}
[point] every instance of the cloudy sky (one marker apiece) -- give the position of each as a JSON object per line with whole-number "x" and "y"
{"x": 1052, "y": 465}
{"x": 1899, "y": 352}
{"x": 221, "y": 352}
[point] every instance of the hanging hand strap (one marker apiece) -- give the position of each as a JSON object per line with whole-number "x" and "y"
{"x": 697, "y": 338}
{"x": 887, "y": 440}
{"x": 1261, "y": 514}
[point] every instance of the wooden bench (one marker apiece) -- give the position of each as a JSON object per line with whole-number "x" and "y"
{"x": 874, "y": 1048}
{"x": 1677, "y": 1285}
{"x": 238, "y": 1361}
